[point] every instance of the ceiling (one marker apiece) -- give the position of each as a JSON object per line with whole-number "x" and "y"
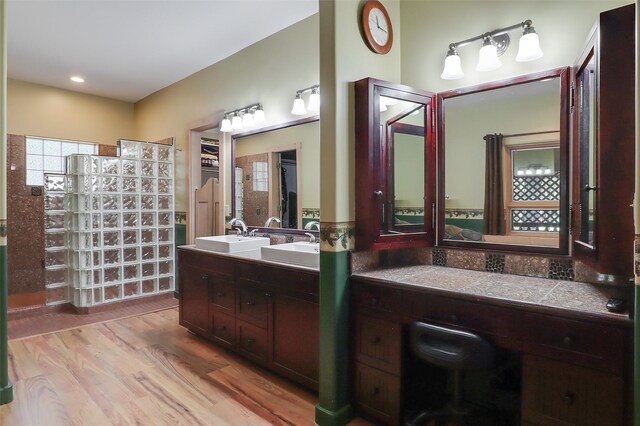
{"x": 129, "y": 49}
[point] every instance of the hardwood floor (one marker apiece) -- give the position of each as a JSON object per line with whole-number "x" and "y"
{"x": 144, "y": 370}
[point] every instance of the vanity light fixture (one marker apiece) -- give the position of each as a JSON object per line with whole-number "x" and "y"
{"x": 251, "y": 115}
{"x": 314, "y": 101}
{"x": 494, "y": 44}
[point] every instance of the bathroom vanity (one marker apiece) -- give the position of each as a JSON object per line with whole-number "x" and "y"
{"x": 264, "y": 311}
{"x": 576, "y": 356}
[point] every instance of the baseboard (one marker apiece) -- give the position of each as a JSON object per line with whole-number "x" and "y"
{"x": 24, "y": 300}
{"x": 122, "y": 303}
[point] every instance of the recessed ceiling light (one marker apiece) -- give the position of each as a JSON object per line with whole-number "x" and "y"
{"x": 77, "y": 79}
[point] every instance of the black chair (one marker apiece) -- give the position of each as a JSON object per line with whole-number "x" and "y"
{"x": 455, "y": 350}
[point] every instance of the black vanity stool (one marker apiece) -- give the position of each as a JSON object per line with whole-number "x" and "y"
{"x": 458, "y": 351}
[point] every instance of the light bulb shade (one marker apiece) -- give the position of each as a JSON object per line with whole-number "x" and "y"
{"x": 225, "y": 126}
{"x": 488, "y": 58}
{"x": 258, "y": 116}
{"x": 314, "y": 102}
{"x": 298, "y": 106}
{"x": 529, "y": 47}
{"x": 247, "y": 119}
{"x": 452, "y": 68}
{"x": 236, "y": 122}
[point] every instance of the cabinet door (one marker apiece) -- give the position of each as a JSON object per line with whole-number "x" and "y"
{"x": 252, "y": 304}
{"x": 556, "y": 393}
{"x": 604, "y": 139}
{"x": 295, "y": 339}
{"x": 194, "y": 298}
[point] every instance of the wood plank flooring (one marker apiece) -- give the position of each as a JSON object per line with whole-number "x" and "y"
{"x": 144, "y": 370}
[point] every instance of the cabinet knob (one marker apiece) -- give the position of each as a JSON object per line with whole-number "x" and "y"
{"x": 375, "y": 340}
{"x": 251, "y": 340}
{"x": 376, "y": 391}
{"x": 568, "y": 398}
{"x": 251, "y": 303}
{"x": 221, "y": 327}
{"x": 374, "y": 300}
{"x": 204, "y": 276}
{"x": 588, "y": 188}
{"x": 454, "y": 318}
{"x": 567, "y": 341}
{"x": 267, "y": 294}
{"x": 220, "y": 294}
{"x": 378, "y": 194}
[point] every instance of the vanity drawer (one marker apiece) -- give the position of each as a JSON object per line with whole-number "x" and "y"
{"x": 502, "y": 323}
{"x": 224, "y": 328}
{"x": 377, "y": 394}
{"x": 378, "y": 297}
{"x": 252, "y": 304}
{"x": 379, "y": 343}
{"x": 252, "y": 341}
{"x": 223, "y": 295}
{"x": 556, "y": 393}
{"x": 578, "y": 342}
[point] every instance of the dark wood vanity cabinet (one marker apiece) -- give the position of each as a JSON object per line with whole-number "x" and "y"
{"x": 575, "y": 370}
{"x": 266, "y": 313}
{"x": 604, "y": 142}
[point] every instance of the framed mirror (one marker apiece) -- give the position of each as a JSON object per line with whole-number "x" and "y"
{"x": 275, "y": 178}
{"x": 395, "y": 166}
{"x": 503, "y": 158}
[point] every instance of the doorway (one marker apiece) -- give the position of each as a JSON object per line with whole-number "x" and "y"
{"x": 286, "y": 182}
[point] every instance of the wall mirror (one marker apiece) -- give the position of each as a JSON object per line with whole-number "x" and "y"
{"x": 395, "y": 165}
{"x": 276, "y": 173}
{"x": 503, "y": 152}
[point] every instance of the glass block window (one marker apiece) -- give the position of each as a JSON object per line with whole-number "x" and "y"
{"x": 537, "y": 220}
{"x": 260, "y": 176}
{"x": 239, "y": 193}
{"x": 47, "y": 156}
{"x": 536, "y": 188}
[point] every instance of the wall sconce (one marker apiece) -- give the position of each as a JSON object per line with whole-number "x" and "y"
{"x": 314, "y": 101}
{"x": 494, "y": 44}
{"x": 251, "y": 114}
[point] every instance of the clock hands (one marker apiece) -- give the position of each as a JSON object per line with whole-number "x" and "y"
{"x": 378, "y": 25}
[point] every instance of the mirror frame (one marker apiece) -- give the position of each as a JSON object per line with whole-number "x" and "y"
{"x": 564, "y": 74}
{"x": 371, "y": 164}
{"x": 234, "y": 140}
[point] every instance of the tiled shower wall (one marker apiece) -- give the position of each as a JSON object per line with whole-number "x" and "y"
{"x": 109, "y": 226}
{"x": 25, "y": 216}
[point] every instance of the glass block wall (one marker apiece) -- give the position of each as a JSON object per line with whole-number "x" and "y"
{"x": 109, "y": 225}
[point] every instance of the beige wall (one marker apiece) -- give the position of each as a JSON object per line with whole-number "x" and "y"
{"x": 428, "y": 27}
{"x": 34, "y": 109}
{"x": 269, "y": 71}
{"x": 344, "y": 59}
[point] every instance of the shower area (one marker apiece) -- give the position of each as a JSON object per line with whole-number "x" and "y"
{"x": 109, "y": 227}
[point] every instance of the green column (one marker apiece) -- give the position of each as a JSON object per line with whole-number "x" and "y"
{"x": 6, "y": 389}
{"x": 333, "y": 408}
{"x": 636, "y": 344}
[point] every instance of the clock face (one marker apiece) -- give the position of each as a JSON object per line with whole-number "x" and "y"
{"x": 378, "y": 26}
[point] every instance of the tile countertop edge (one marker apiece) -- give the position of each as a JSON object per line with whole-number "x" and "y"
{"x": 241, "y": 257}
{"x": 599, "y": 316}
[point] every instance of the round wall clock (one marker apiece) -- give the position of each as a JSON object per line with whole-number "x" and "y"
{"x": 377, "y": 27}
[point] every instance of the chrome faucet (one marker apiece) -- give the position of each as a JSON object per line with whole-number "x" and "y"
{"x": 271, "y": 219}
{"x": 312, "y": 238}
{"x": 237, "y": 222}
{"x": 311, "y": 225}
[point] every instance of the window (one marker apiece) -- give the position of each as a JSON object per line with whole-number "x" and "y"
{"x": 533, "y": 195}
{"x": 260, "y": 176}
{"x": 48, "y": 156}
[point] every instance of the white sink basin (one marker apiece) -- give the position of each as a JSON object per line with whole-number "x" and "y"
{"x": 230, "y": 243}
{"x": 303, "y": 254}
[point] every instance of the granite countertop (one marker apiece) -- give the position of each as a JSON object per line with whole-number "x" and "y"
{"x": 512, "y": 289}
